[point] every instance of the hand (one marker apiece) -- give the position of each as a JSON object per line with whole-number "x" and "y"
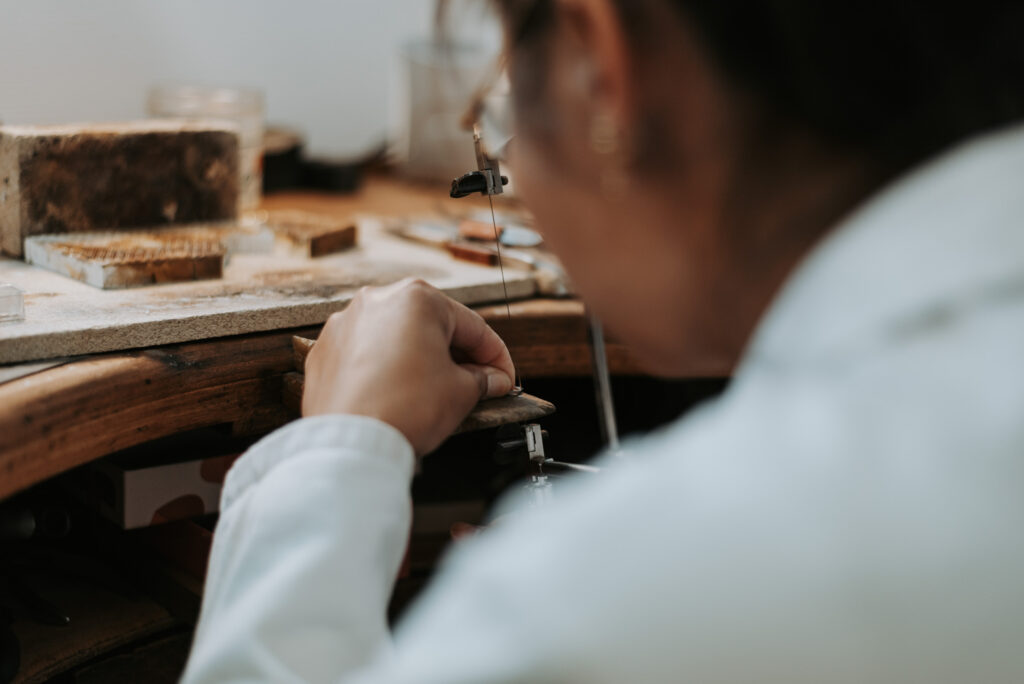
{"x": 407, "y": 355}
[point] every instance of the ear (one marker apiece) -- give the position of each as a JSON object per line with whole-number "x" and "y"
{"x": 599, "y": 42}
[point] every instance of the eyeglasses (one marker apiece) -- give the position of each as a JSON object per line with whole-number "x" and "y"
{"x": 490, "y": 111}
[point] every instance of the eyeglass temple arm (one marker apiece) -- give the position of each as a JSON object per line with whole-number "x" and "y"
{"x": 487, "y": 179}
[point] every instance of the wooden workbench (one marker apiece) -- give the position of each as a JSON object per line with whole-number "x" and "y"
{"x": 64, "y": 416}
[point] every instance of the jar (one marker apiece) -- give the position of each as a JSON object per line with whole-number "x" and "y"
{"x": 245, "y": 108}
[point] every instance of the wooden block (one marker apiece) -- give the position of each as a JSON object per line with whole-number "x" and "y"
{"x": 493, "y": 413}
{"x": 472, "y": 254}
{"x": 130, "y": 259}
{"x": 488, "y": 414}
{"x": 313, "y": 235}
{"x": 301, "y": 347}
{"x": 82, "y": 178}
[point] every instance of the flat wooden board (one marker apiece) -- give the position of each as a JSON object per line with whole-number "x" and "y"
{"x": 493, "y": 413}
{"x": 258, "y": 292}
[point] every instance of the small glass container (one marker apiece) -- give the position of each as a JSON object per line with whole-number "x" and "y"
{"x": 243, "y": 107}
{"x": 12, "y": 304}
{"x": 440, "y": 79}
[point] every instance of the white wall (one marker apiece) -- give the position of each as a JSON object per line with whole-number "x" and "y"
{"x": 327, "y": 67}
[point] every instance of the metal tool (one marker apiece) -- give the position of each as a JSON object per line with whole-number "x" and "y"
{"x": 603, "y": 385}
{"x": 486, "y": 180}
{"x": 531, "y": 437}
{"x": 516, "y": 441}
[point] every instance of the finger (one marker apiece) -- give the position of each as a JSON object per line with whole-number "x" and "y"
{"x": 473, "y": 337}
{"x": 490, "y": 382}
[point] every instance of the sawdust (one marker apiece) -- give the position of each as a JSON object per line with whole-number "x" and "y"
{"x": 303, "y": 284}
{"x": 303, "y": 225}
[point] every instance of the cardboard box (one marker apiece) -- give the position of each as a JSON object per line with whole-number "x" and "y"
{"x": 172, "y": 479}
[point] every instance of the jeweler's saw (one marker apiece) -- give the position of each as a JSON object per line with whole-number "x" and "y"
{"x": 526, "y": 439}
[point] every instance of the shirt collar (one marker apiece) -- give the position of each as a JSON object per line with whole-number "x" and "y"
{"x": 946, "y": 231}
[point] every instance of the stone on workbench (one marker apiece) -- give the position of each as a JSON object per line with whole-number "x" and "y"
{"x": 133, "y": 258}
{"x": 100, "y": 177}
{"x": 312, "y": 235}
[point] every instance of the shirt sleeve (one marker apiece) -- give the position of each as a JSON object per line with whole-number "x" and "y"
{"x": 710, "y": 554}
{"x": 314, "y": 522}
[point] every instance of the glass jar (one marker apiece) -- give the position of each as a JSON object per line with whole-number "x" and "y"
{"x": 243, "y": 107}
{"x": 12, "y": 304}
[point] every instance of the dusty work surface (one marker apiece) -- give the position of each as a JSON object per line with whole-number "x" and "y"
{"x": 64, "y": 317}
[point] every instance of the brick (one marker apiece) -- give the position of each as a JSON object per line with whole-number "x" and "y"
{"x": 103, "y": 177}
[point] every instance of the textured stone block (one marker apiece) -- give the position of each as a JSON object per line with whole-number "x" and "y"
{"x": 101, "y": 177}
{"x": 131, "y": 259}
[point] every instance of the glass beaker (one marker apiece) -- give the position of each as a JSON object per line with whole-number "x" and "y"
{"x": 243, "y": 107}
{"x": 440, "y": 79}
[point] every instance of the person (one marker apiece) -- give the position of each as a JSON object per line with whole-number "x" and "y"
{"x": 832, "y": 192}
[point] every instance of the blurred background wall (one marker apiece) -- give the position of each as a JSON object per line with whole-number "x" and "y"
{"x": 329, "y": 68}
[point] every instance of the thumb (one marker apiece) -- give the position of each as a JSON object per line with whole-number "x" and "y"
{"x": 491, "y": 382}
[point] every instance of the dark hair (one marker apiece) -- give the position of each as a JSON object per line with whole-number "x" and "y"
{"x": 895, "y": 81}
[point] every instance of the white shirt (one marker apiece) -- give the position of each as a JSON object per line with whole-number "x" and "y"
{"x": 850, "y": 510}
